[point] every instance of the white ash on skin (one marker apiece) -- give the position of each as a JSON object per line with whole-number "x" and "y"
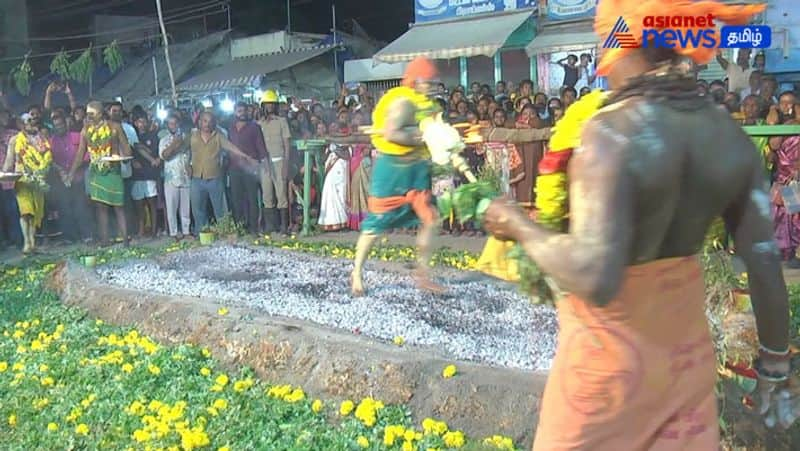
{"x": 476, "y": 321}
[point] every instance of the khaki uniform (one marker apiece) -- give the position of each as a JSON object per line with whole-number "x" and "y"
{"x": 274, "y": 185}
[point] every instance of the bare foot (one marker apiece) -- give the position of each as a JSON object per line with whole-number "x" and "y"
{"x": 357, "y": 285}
{"x": 425, "y": 283}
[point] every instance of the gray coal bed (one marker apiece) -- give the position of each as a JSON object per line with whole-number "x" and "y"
{"x": 477, "y": 320}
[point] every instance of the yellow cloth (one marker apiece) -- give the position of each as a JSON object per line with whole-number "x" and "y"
{"x": 30, "y": 201}
{"x": 494, "y": 260}
{"x": 424, "y": 106}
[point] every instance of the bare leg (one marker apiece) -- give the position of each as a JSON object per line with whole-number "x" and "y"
{"x": 139, "y": 206}
{"x": 363, "y": 246}
{"x": 424, "y": 253}
{"x": 151, "y": 205}
{"x": 23, "y": 225}
{"x": 102, "y": 222}
{"x": 32, "y": 233}
{"x": 119, "y": 212}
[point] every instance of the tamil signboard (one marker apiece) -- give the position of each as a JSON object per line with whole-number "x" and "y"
{"x": 432, "y": 10}
{"x": 570, "y": 9}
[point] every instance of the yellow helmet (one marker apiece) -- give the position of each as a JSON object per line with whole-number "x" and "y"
{"x": 269, "y": 96}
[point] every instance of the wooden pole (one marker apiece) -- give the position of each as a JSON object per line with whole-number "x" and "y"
{"x": 166, "y": 53}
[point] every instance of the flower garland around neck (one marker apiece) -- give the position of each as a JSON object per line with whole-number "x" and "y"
{"x": 552, "y": 185}
{"x": 33, "y": 160}
{"x": 99, "y": 144}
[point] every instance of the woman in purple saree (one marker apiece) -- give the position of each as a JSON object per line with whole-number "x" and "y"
{"x": 787, "y": 226}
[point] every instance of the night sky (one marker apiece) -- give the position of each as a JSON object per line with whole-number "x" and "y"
{"x": 383, "y": 20}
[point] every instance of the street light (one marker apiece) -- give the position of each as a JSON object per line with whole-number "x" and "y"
{"x": 227, "y": 105}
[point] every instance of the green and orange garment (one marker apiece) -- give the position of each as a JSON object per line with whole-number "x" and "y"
{"x": 400, "y": 189}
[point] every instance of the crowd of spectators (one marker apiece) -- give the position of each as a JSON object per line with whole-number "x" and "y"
{"x": 191, "y": 169}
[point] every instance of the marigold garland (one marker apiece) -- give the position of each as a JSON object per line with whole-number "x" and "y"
{"x": 99, "y": 144}
{"x": 552, "y": 185}
{"x": 32, "y": 161}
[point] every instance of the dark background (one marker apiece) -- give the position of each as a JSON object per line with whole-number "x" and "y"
{"x": 383, "y": 20}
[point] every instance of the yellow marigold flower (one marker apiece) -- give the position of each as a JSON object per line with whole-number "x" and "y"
{"x": 220, "y": 403}
{"x": 18, "y": 366}
{"x": 12, "y": 420}
{"x": 74, "y": 414}
{"x": 155, "y": 405}
{"x": 205, "y": 371}
{"x": 205, "y": 352}
{"x": 18, "y": 334}
{"x": 346, "y": 407}
{"x": 43, "y": 368}
{"x": 296, "y": 395}
{"x": 52, "y": 427}
{"x": 222, "y": 380}
{"x": 409, "y": 436}
{"x": 449, "y": 371}
{"x": 399, "y": 340}
{"x": 279, "y": 391}
{"x": 127, "y": 368}
{"x": 454, "y": 439}
{"x": 362, "y": 441}
{"x": 217, "y": 388}
{"x": 141, "y": 436}
{"x": 223, "y": 448}
{"x": 82, "y": 429}
{"x": 136, "y": 408}
{"x": 316, "y": 406}
{"x": 154, "y": 369}
{"x": 222, "y": 311}
{"x": 3, "y": 367}
{"x": 47, "y": 381}
{"x": 500, "y": 442}
{"x": 36, "y": 345}
{"x": 408, "y": 446}
{"x": 240, "y": 386}
{"x": 88, "y": 401}
{"x": 41, "y": 403}
{"x": 212, "y": 411}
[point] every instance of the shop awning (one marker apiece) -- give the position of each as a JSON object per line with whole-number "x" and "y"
{"x": 453, "y": 39}
{"x": 245, "y": 71}
{"x": 566, "y": 38}
{"x": 136, "y": 83}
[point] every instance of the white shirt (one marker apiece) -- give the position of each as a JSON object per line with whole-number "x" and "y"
{"x": 738, "y": 78}
{"x": 584, "y": 74}
{"x": 176, "y": 169}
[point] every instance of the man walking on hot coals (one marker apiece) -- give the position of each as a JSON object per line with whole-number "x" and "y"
{"x": 400, "y": 192}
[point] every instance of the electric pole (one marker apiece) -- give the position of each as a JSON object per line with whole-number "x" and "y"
{"x": 166, "y": 53}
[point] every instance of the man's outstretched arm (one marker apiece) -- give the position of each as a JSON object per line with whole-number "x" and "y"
{"x": 590, "y": 260}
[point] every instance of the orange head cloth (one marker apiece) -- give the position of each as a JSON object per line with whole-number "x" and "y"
{"x": 420, "y": 68}
{"x": 634, "y": 12}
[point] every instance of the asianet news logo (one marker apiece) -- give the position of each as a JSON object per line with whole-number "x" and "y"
{"x": 687, "y": 31}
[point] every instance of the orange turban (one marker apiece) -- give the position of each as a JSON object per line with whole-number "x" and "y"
{"x": 420, "y": 69}
{"x": 634, "y": 12}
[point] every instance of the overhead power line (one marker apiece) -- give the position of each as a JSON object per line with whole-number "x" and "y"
{"x": 171, "y": 20}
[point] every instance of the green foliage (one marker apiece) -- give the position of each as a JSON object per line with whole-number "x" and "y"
{"x": 794, "y": 310}
{"x": 82, "y": 67}
{"x": 112, "y": 57}
{"x": 22, "y": 75}
{"x": 227, "y": 226}
{"x": 60, "y": 65}
{"x": 71, "y": 382}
